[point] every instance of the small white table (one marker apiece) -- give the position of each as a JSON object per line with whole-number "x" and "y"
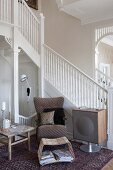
{"x": 10, "y": 134}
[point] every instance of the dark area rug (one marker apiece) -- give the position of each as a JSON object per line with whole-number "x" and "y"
{"x": 22, "y": 159}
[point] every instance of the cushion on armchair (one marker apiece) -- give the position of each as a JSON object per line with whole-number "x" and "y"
{"x": 59, "y": 116}
{"x": 48, "y": 105}
{"x": 47, "y": 118}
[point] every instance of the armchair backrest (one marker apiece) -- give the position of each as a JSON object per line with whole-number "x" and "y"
{"x": 45, "y": 103}
{"x": 50, "y": 104}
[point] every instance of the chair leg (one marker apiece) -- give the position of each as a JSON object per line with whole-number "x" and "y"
{"x": 36, "y": 133}
{"x": 37, "y": 139}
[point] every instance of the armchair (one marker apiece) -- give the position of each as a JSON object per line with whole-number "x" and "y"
{"x": 57, "y": 129}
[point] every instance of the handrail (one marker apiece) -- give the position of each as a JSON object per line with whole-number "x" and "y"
{"x": 30, "y": 120}
{"x": 75, "y": 68}
{"x": 30, "y": 11}
{"x": 29, "y": 117}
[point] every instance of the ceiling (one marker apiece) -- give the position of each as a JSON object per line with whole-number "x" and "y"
{"x": 88, "y": 11}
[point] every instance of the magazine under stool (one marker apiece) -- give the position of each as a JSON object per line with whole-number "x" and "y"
{"x": 56, "y": 141}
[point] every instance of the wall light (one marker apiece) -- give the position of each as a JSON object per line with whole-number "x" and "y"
{"x": 23, "y": 78}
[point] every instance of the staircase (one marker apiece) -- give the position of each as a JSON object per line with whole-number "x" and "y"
{"x": 26, "y": 24}
{"x": 23, "y": 29}
{"x": 74, "y": 84}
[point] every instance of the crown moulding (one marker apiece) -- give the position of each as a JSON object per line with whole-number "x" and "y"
{"x": 88, "y": 11}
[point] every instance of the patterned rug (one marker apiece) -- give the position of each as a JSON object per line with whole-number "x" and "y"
{"x": 22, "y": 159}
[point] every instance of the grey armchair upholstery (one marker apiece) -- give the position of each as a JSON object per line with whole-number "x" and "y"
{"x": 51, "y": 131}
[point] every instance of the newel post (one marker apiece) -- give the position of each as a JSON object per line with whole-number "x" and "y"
{"x": 41, "y": 69}
{"x": 110, "y": 118}
{"x": 15, "y": 63}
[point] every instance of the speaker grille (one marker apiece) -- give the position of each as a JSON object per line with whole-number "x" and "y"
{"x": 85, "y": 126}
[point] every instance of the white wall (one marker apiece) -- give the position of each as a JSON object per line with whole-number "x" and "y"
{"x": 26, "y": 66}
{"x": 65, "y": 35}
{"x": 5, "y": 83}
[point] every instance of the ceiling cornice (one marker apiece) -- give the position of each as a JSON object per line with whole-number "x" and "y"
{"x": 88, "y": 11}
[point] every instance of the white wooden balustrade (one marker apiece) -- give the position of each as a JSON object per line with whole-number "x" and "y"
{"x": 30, "y": 120}
{"x": 6, "y": 11}
{"x": 74, "y": 84}
{"x": 102, "y": 32}
{"x": 28, "y": 24}
{"x": 104, "y": 80}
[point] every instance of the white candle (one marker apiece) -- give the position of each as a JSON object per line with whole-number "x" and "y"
{"x": 3, "y": 106}
{"x": 9, "y": 101}
{"x": 10, "y": 116}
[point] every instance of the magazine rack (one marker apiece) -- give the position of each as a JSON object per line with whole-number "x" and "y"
{"x": 56, "y": 141}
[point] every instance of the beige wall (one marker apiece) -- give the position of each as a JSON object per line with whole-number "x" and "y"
{"x": 65, "y": 35}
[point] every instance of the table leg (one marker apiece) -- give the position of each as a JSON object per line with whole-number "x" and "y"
{"x": 9, "y": 147}
{"x": 28, "y": 135}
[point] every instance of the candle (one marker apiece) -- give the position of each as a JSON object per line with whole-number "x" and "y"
{"x": 9, "y": 101}
{"x": 10, "y": 116}
{"x": 3, "y": 106}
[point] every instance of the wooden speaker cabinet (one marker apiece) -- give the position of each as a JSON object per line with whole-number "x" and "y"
{"x": 90, "y": 125}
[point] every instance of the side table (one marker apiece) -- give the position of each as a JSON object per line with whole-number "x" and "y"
{"x": 10, "y": 134}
